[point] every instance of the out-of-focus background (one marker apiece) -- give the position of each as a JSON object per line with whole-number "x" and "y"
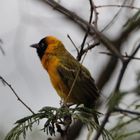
{"x": 24, "y": 22}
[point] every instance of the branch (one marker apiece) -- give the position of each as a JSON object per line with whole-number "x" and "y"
{"x": 118, "y": 6}
{"x": 96, "y": 43}
{"x": 84, "y": 24}
{"x": 110, "y": 109}
{"x": 14, "y": 92}
{"x": 130, "y": 25}
{"x": 125, "y": 64}
{"x": 114, "y": 18}
{"x": 1, "y": 49}
{"x": 92, "y": 7}
{"x": 71, "y": 15}
{"x": 126, "y": 111}
{"x": 73, "y": 44}
{"x": 125, "y": 56}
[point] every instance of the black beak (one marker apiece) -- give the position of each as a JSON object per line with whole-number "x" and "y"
{"x": 34, "y": 45}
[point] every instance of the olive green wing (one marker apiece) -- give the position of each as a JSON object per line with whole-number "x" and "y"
{"x": 84, "y": 90}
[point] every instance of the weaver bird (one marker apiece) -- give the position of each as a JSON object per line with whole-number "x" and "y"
{"x": 71, "y": 80}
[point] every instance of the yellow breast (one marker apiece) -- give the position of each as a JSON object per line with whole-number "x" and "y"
{"x": 51, "y": 65}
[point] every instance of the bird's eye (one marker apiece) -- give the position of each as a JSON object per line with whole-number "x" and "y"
{"x": 42, "y": 45}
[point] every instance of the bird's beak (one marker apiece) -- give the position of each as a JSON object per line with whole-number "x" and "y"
{"x": 34, "y": 45}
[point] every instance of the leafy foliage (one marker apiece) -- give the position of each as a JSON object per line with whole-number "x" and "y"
{"x": 56, "y": 119}
{"x": 122, "y": 130}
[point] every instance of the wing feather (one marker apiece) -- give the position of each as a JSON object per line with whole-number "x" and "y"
{"x": 84, "y": 91}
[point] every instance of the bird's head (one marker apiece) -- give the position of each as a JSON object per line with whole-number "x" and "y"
{"x": 47, "y": 45}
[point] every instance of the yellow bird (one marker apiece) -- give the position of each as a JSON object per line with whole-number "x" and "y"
{"x": 71, "y": 80}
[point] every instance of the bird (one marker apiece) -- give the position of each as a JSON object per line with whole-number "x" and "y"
{"x": 71, "y": 80}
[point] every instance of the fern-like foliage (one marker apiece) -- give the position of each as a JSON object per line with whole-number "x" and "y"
{"x": 56, "y": 119}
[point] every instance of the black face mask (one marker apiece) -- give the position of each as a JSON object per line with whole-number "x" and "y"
{"x": 41, "y": 48}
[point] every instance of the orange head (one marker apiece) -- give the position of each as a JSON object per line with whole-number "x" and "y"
{"x": 48, "y": 44}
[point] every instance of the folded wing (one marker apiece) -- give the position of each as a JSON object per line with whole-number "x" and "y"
{"x": 84, "y": 90}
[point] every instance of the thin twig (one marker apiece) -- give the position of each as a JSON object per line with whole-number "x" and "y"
{"x": 14, "y": 92}
{"x": 73, "y": 44}
{"x": 125, "y": 56}
{"x": 102, "y": 126}
{"x": 114, "y": 18}
{"x": 1, "y": 49}
{"x": 118, "y": 6}
{"x": 89, "y": 47}
{"x": 87, "y": 32}
{"x": 96, "y": 43}
{"x": 75, "y": 79}
{"x": 126, "y": 111}
{"x": 96, "y": 15}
